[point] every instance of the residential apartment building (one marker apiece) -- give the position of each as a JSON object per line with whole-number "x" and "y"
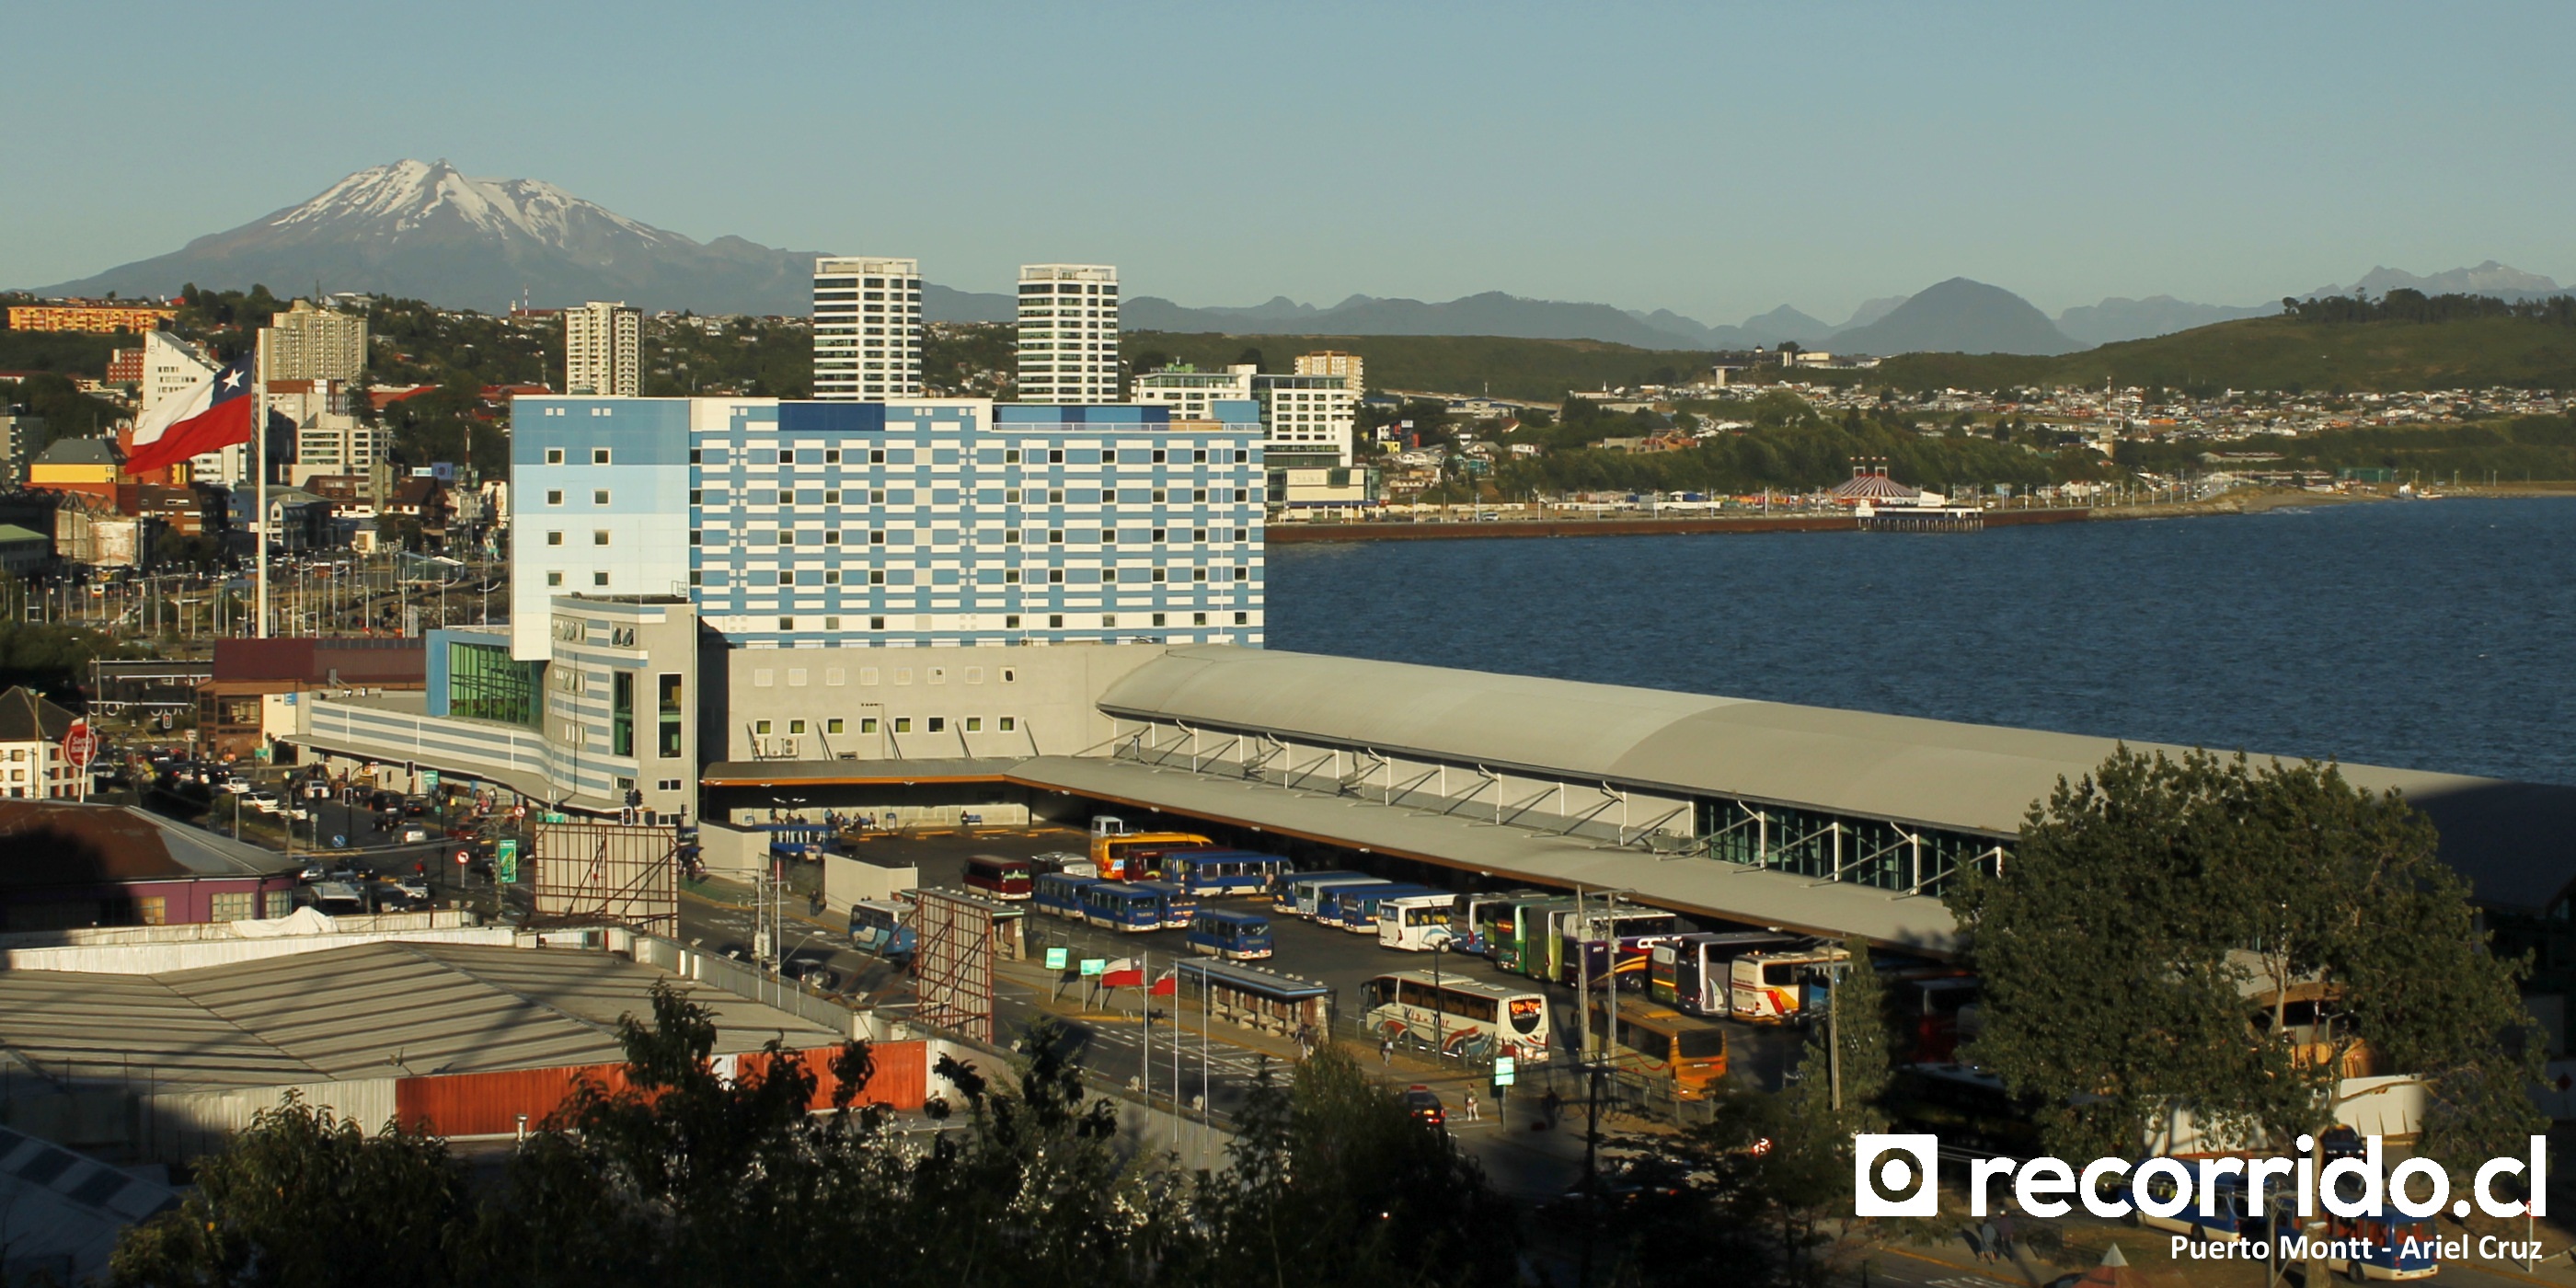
{"x": 125, "y": 368}
{"x": 89, "y": 315}
{"x": 867, "y": 329}
{"x": 1068, "y": 341}
{"x": 308, "y": 343}
{"x": 19, "y": 433}
{"x": 1306, "y": 419}
{"x": 934, "y": 522}
{"x": 1332, "y": 362}
{"x": 604, "y": 350}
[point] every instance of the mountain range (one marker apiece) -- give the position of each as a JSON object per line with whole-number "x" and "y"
{"x": 425, "y": 230}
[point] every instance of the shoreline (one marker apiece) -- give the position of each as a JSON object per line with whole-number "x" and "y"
{"x": 1807, "y": 521}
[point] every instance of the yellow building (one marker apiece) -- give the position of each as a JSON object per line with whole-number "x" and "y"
{"x": 88, "y": 315}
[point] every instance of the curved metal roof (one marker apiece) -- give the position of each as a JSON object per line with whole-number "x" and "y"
{"x": 2506, "y": 837}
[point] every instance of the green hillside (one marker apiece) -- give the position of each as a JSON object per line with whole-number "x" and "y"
{"x": 2280, "y": 353}
{"x": 1453, "y": 364}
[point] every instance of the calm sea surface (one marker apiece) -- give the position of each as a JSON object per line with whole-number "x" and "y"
{"x": 2434, "y": 635}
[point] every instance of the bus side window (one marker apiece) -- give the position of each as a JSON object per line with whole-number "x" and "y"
{"x": 1381, "y": 991}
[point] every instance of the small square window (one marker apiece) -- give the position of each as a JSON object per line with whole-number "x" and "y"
{"x": 599, "y": 456}
{"x": 974, "y": 724}
{"x": 1109, "y": 619}
{"x": 1055, "y": 576}
{"x": 877, "y": 497}
{"x": 1158, "y": 456}
{"x": 1242, "y": 618}
{"x": 554, "y": 497}
{"x": 694, "y": 455}
{"x": 1010, "y": 496}
{"x": 1108, "y": 496}
{"x": 876, "y": 577}
{"x": 1055, "y": 536}
{"x": 787, "y": 536}
{"x": 760, "y": 727}
{"x": 1198, "y": 619}
{"x": 876, "y": 456}
{"x": 1008, "y": 723}
{"x": 1157, "y": 576}
{"x": 787, "y": 623}
{"x": 1055, "y": 456}
{"x": 1011, "y": 623}
{"x": 867, "y": 724}
{"x": 876, "y": 536}
{"x": 697, "y": 496}
{"x": 599, "y": 497}
{"x": 554, "y": 538}
{"x": 1055, "y": 497}
{"x": 1108, "y": 457}
{"x": 554, "y": 578}
{"x": 795, "y": 726}
{"x": 903, "y": 724}
{"x": 831, "y": 576}
{"x": 938, "y": 724}
{"x": 554, "y": 456}
{"x": 599, "y": 536}
{"x": 697, "y": 536}
{"x": 697, "y": 578}
{"x": 787, "y": 456}
{"x": 1010, "y": 456}
{"x": 1010, "y": 576}
{"x": 831, "y": 497}
{"x": 1160, "y": 534}
{"x": 599, "y": 579}
{"x": 832, "y": 456}
{"x": 876, "y": 624}
{"x": 1011, "y": 537}
{"x": 1158, "y": 619}
{"x": 832, "y": 624}
{"x": 1055, "y": 620}
{"x": 1108, "y": 536}
{"x": 834, "y": 725}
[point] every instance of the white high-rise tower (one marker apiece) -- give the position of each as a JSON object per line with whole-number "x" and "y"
{"x": 867, "y": 329}
{"x": 604, "y": 350}
{"x": 1069, "y": 333}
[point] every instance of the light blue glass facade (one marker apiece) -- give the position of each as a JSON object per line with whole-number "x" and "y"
{"x": 907, "y": 524}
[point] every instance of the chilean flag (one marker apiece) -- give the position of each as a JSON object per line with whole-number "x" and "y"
{"x": 214, "y": 414}
{"x": 1122, "y": 973}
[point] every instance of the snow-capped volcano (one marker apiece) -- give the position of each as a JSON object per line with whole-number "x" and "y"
{"x": 426, "y": 230}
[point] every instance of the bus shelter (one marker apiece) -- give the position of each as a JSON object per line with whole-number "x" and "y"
{"x": 1260, "y": 1000}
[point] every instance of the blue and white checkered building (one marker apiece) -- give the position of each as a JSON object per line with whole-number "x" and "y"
{"x": 928, "y": 522}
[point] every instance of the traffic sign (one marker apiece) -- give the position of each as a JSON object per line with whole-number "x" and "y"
{"x": 464, "y": 857}
{"x": 505, "y": 858}
{"x": 1505, "y": 1070}
{"x": 429, "y": 780}
{"x": 1055, "y": 959}
{"x": 339, "y": 840}
{"x": 80, "y": 746}
{"x": 1094, "y": 965}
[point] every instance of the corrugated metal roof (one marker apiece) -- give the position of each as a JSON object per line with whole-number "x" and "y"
{"x": 2510, "y": 839}
{"x": 376, "y": 1010}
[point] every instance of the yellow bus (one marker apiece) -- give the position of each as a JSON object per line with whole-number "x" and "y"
{"x": 1661, "y": 1042}
{"x": 1112, "y": 856}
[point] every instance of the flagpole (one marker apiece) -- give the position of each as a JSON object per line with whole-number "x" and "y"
{"x": 259, "y": 457}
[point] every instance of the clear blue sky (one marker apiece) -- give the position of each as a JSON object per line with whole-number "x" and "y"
{"x": 1710, "y": 158}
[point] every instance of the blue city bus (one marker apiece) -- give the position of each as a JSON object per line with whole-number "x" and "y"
{"x": 1296, "y": 890}
{"x": 2401, "y": 1246}
{"x": 1122, "y": 907}
{"x": 798, "y": 841}
{"x": 1234, "y": 936}
{"x": 1059, "y": 894}
{"x": 1178, "y": 905}
{"x": 1315, "y": 900}
{"x": 1224, "y": 873}
{"x": 878, "y": 928}
{"x": 1354, "y": 908}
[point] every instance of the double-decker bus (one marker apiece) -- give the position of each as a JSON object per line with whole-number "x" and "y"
{"x": 1354, "y": 908}
{"x": 1520, "y": 938}
{"x": 1175, "y": 905}
{"x": 1477, "y": 914}
{"x": 1122, "y": 907}
{"x": 878, "y": 928}
{"x": 1220, "y": 874}
{"x": 1660, "y": 1042}
{"x": 1463, "y": 1017}
{"x": 1419, "y": 923}
{"x": 1776, "y": 987}
{"x": 1234, "y": 936}
{"x": 1314, "y": 897}
{"x": 1115, "y": 857}
{"x": 1059, "y": 894}
{"x": 999, "y": 877}
{"x": 1588, "y": 933}
{"x": 1688, "y": 972}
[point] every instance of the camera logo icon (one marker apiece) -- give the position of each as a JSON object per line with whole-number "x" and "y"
{"x": 1893, "y": 1174}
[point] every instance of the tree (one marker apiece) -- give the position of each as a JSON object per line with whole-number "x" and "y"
{"x": 2146, "y": 945}
{"x": 304, "y": 1197}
